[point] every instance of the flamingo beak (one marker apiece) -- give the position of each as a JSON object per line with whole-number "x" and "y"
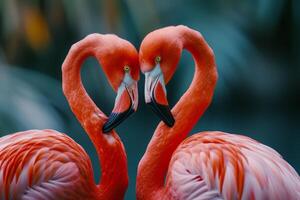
{"x": 125, "y": 104}
{"x": 156, "y": 95}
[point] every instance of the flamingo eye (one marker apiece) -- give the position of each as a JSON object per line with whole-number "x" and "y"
{"x": 157, "y": 59}
{"x": 126, "y": 68}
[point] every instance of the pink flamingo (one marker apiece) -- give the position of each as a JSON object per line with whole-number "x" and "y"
{"x": 48, "y": 165}
{"x": 207, "y": 165}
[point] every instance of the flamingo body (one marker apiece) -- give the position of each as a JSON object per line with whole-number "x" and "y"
{"x": 48, "y": 165}
{"x": 217, "y": 165}
{"x": 44, "y": 164}
{"x": 207, "y": 165}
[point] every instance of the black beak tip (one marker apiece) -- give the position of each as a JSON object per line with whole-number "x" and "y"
{"x": 106, "y": 128}
{"x": 170, "y": 122}
{"x": 115, "y": 119}
{"x": 163, "y": 112}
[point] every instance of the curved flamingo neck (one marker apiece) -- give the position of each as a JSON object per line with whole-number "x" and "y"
{"x": 154, "y": 164}
{"x": 110, "y": 150}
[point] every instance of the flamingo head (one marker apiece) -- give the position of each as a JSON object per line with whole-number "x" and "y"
{"x": 120, "y": 63}
{"x": 159, "y": 55}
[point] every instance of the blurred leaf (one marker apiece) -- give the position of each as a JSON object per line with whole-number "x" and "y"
{"x": 24, "y": 105}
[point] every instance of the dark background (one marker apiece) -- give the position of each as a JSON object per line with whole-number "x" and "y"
{"x": 256, "y": 44}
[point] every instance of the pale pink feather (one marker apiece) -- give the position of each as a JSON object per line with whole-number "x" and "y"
{"x": 44, "y": 164}
{"x": 217, "y": 165}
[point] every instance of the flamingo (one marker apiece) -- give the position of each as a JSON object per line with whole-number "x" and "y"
{"x": 210, "y": 164}
{"x": 49, "y": 165}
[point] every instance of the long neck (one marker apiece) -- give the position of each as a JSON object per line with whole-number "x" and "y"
{"x": 153, "y": 166}
{"x": 109, "y": 148}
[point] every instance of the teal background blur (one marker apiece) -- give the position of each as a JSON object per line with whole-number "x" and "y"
{"x": 256, "y": 44}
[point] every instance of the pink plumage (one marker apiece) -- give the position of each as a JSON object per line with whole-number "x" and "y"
{"x": 217, "y": 165}
{"x": 44, "y": 164}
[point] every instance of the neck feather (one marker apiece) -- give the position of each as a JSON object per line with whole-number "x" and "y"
{"x": 154, "y": 165}
{"x": 110, "y": 150}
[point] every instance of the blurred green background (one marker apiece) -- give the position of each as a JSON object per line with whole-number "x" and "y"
{"x": 256, "y": 44}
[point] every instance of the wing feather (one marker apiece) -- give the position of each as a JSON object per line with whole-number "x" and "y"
{"x": 216, "y": 165}
{"x": 44, "y": 164}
